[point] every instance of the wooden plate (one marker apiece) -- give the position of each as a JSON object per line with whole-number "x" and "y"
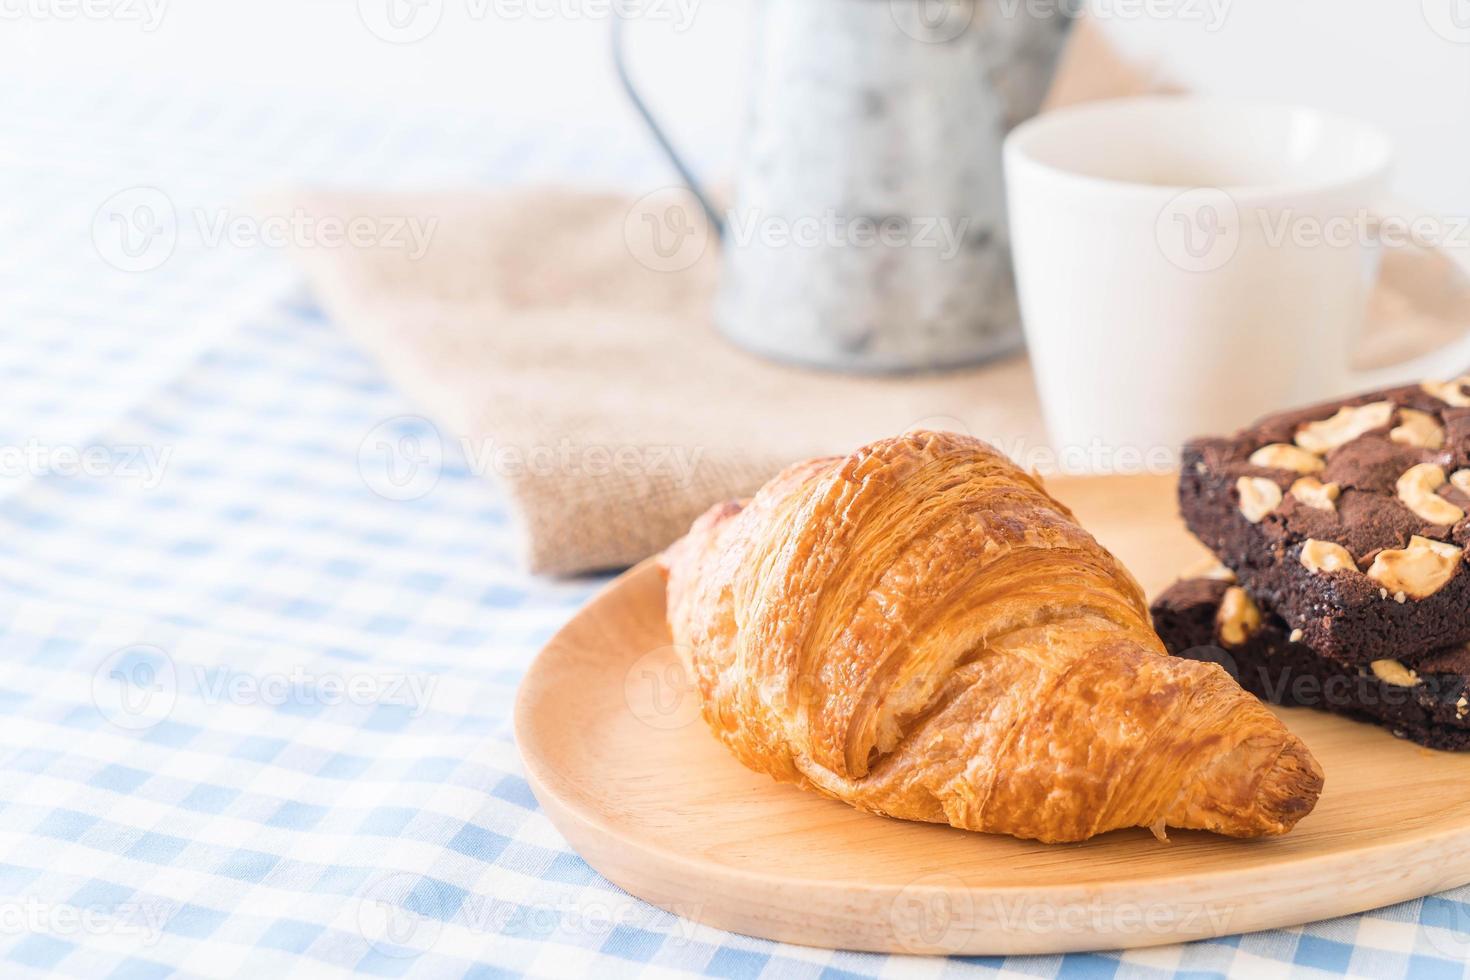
{"x": 617, "y": 754}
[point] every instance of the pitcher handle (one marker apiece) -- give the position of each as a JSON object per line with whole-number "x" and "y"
{"x": 685, "y": 173}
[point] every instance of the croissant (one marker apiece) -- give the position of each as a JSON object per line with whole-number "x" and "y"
{"x": 921, "y": 631}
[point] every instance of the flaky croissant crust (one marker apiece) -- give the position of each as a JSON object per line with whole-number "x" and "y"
{"x": 921, "y": 631}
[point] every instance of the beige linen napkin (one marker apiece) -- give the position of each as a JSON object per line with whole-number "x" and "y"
{"x": 596, "y": 390}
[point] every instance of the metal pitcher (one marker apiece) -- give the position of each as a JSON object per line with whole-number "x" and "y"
{"x": 867, "y": 227}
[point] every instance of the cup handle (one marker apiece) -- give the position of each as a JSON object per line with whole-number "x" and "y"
{"x": 696, "y": 187}
{"x": 1451, "y": 359}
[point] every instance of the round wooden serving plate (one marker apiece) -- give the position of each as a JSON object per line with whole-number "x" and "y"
{"x": 617, "y": 754}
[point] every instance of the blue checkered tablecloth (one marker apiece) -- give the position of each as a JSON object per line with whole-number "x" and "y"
{"x": 255, "y": 690}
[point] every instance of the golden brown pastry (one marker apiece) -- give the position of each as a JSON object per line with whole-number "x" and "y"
{"x": 919, "y": 630}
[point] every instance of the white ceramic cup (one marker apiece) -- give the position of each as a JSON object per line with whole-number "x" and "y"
{"x": 1186, "y": 265}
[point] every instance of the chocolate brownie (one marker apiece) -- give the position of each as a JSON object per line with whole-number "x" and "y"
{"x": 1423, "y": 700}
{"x": 1349, "y": 519}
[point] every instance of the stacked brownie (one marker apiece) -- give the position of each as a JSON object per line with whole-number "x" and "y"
{"x": 1342, "y": 533}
